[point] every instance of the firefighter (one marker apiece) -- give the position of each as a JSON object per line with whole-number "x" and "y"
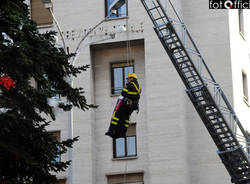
{"x": 127, "y": 102}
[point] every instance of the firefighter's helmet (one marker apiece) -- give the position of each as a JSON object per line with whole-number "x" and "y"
{"x": 132, "y": 75}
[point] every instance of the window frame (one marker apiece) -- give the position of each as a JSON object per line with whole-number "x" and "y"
{"x": 129, "y": 64}
{"x": 245, "y": 87}
{"x": 125, "y": 140}
{"x": 241, "y": 23}
{"x": 42, "y": 25}
{"x": 62, "y": 181}
{"x": 57, "y": 134}
{"x": 116, "y": 17}
{"x": 122, "y": 178}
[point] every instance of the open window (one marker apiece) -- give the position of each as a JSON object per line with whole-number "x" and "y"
{"x": 121, "y": 11}
{"x": 40, "y": 14}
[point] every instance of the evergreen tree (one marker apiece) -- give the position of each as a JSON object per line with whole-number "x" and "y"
{"x": 27, "y": 151}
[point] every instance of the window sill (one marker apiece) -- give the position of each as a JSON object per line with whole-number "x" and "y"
{"x": 128, "y": 172}
{"x": 115, "y": 18}
{"x": 45, "y": 26}
{"x": 125, "y": 158}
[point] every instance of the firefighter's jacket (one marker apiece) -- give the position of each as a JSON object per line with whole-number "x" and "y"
{"x": 132, "y": 92}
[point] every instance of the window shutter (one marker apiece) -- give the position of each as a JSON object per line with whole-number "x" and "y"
{"x": 40, "y": 14}
{"x": 57, "y": 135}
{"x": 131, "y": 131}
{"x": 130, "y": 178}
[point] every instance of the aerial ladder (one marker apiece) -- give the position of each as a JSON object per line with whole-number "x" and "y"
{"x": 205, "y": 93}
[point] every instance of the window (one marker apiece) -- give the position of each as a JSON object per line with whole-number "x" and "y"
{"x": 241, "y": 22}
{"x": 126, "y": 147}
{"x": 121, "y": 12}
{"x": 245, "y": 87}
{"x": 61, "y": 181}
{"x": 129, "y": 178}
{"x": 40, "y": 14}
{"x": 57, "y": 135}
{"x": 53, "y": 101}
{"x": 119, "y": 72}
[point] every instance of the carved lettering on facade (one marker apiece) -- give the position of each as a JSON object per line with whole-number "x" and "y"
{"x": 101, "y": 31}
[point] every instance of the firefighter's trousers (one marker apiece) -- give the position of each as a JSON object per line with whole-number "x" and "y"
{"x": 120, "y": 119}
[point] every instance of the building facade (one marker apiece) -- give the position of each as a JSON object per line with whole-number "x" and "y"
{"x": 167, "y": 141}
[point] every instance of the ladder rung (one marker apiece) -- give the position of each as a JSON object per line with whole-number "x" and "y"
{"x": 216, "y": 124}
{"x": 193, "y": 76}
{"x": 220, "y": 128}
{"x": 188, "y": 66}
{"x": 213, "y": 119}
{"x": 161, "y": 28}
{"x": 212, "y": 114}
{"x": 182, "y": 62}
{"x": 196, "y": 80}
{"x": 153, "y": 8}
{"x": 181, "y": 57}
{"x": 176, "y": 48}
{"x": 227, "y": 142}
{"x": 168, "y": 37}
{"x": 175, "y": 41}
{"x": 206, "y": 105}
{"x": 222, "y": 132}
{"x": 226, "y": 137}
{"x": 188, "y": 71}
{"x": 160, "y": 25}
{"x": 158, "y": 18}
{"x": 196, "y": 90}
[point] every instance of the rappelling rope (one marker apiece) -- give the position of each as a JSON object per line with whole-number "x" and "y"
{"x": 125, "y": 173}
{"x": 129, "y": 63}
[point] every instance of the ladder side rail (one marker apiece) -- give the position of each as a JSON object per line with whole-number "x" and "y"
{"x": 236, "y": 162}
{"x": 163, "y": 42}
{"x": 217, "y": 139}
{"x": 170, "y": 54}
{"x": 172, "y": 59}
{"x": 234, "y": 116}
{"x": 208, "y": 70}
{"x": 186, "y": 83}
{"x": 160, "y": 36}
{"x": 160, "y": 15}
{"x": 178, "y": 17}
{"x": 222, "y": 93}
{"x": 149, "y": 13}
{"x": 188, "y": 34}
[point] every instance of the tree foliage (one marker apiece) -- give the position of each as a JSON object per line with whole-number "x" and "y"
{"x": 27, "y": 151}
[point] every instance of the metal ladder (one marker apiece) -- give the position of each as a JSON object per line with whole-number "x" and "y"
{"x": 206, "y": 95}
